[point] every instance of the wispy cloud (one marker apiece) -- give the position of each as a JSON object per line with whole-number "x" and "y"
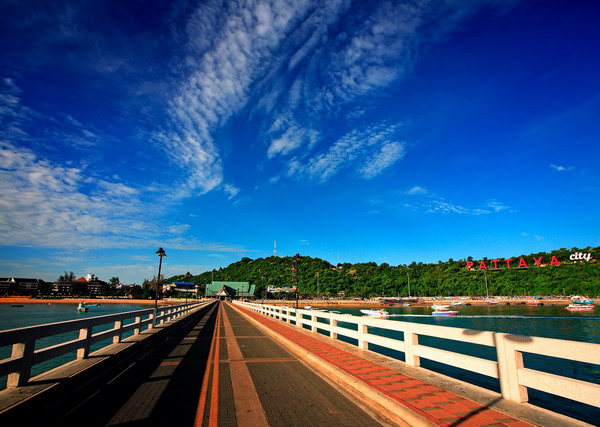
{"x": 561, "y": 168}
{"x": 416, "y": 190}
{"x": 537, "y": 237}
{"x": 288, "y": 63}
{"x": 370, "y": 151}
{"x": 440, "y": 205}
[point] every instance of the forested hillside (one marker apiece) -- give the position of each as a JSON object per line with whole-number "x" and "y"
{"x": 450, "y": 278}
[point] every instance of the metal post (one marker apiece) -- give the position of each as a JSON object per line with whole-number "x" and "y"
{"x": 161, "y": 253}
{"x": 157, "y": 284}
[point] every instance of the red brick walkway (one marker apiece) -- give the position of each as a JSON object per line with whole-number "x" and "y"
{"x": 439, "y": 406}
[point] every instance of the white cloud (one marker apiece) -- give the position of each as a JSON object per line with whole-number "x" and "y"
{"x": 231, "y": 190}
{"x": 537, "y": 237}
{"x": 370, "y": 151}
{"x": 562, "y": 168}
{"x": 416, "y": 190}
{"x": 440, "y": 205}
{"x": 388, "y": 154}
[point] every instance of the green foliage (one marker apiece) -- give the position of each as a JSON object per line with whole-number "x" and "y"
{"x": 67, "y": 277}
{"x": 440, "y": 279}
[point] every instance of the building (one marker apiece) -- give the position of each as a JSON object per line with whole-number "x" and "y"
{"x": 180, "y": 287}
{"x": 19, "y": 286}
{"x": 224, "y": 290}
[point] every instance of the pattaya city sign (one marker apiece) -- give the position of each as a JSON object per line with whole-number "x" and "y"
{"x": 580, "y": 256}
{"x": 508, "y": 263}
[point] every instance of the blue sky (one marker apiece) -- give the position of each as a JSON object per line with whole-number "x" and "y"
{"x": 357, "y": 131}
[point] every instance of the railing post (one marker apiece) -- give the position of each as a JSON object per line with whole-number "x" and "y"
{"x": 24, "y": 351}
{"x": 313, "y": 323}
{"x": 119, "y": 328}
{"x": 363, "y": 330}
{"x": 86, "y": 335}
{"x": 138, "y": 320}
{"x": 153, "y": 317}
{"x": 410, "y": 341}
{"x": 333, "y": 325}
{"x": 510, "y": 361}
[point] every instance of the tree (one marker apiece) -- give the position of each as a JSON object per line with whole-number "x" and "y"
{"x": 67, "y": 277}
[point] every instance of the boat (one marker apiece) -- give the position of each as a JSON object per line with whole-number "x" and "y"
{"x": 580, "y": 307}
{"x": 438, "y": 307}
{"x": 375, "y": 312}
{"x": 405, "y": 304}
{"x": 534, "y": 302}
{"x": 491, "y": 302}
{"x": 82, "y": 307}
{"x": 455, "y": 303}
{"x": 308, "y": 307}
{"x": 578, "y": 299}
{"x": 444, "y": 313}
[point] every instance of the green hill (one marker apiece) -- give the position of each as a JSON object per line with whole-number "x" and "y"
{"x": 450, "y": 278}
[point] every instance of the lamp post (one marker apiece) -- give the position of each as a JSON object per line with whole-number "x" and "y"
{"x": 161, "y": 253}
{"x": 187, "y": 279}
{"x": 296, "y": 259}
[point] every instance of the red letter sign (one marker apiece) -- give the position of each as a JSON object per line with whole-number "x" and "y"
{"x": 508, "y": 262}
{"x": 554, "y": 261}
{"x": 537, "y": 261}
{"x": 495, "y": 262}
{"x": 470, "y": 264}
{"x": 523, "y": 263}
{"x": 482, "y": 265}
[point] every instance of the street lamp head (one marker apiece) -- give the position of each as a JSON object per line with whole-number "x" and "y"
{"x": 161, "y": 252}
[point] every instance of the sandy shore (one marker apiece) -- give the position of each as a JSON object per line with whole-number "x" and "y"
{"x": 422, "y": 303}
{"x": 26, "y": 300}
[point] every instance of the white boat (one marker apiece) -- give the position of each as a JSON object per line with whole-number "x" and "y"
{"x": 438, "y": 307}
{"x": 444, "y": 313}
{"x": 308, "y": 307}
{"x": 578, "y": 299}
{"x": 455, "y": 303}
{"x": 580, "y": 307}
{"x": 375, "y": 312}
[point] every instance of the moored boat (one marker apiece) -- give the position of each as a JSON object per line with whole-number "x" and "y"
{"x": 82, "y": 307}
{"x": 578, "y": 299}
{"x": 580, "y": 307}
{"x": 444, "y": 313}
{"x": 439, "y": 307}
{"x": 375, "y": 312}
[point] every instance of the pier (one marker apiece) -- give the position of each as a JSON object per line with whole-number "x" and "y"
{"x": 218, "y": 364}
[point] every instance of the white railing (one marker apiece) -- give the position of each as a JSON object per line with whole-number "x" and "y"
{"x": 513, "y": 376}
{"x": 25, "y": 355}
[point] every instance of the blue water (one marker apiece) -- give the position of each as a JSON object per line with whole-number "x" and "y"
{"x": 542, "y": 321}
{"x": 38, "y": 314}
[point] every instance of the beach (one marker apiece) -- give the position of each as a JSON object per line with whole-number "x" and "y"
{"x": 27, "y": 300}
